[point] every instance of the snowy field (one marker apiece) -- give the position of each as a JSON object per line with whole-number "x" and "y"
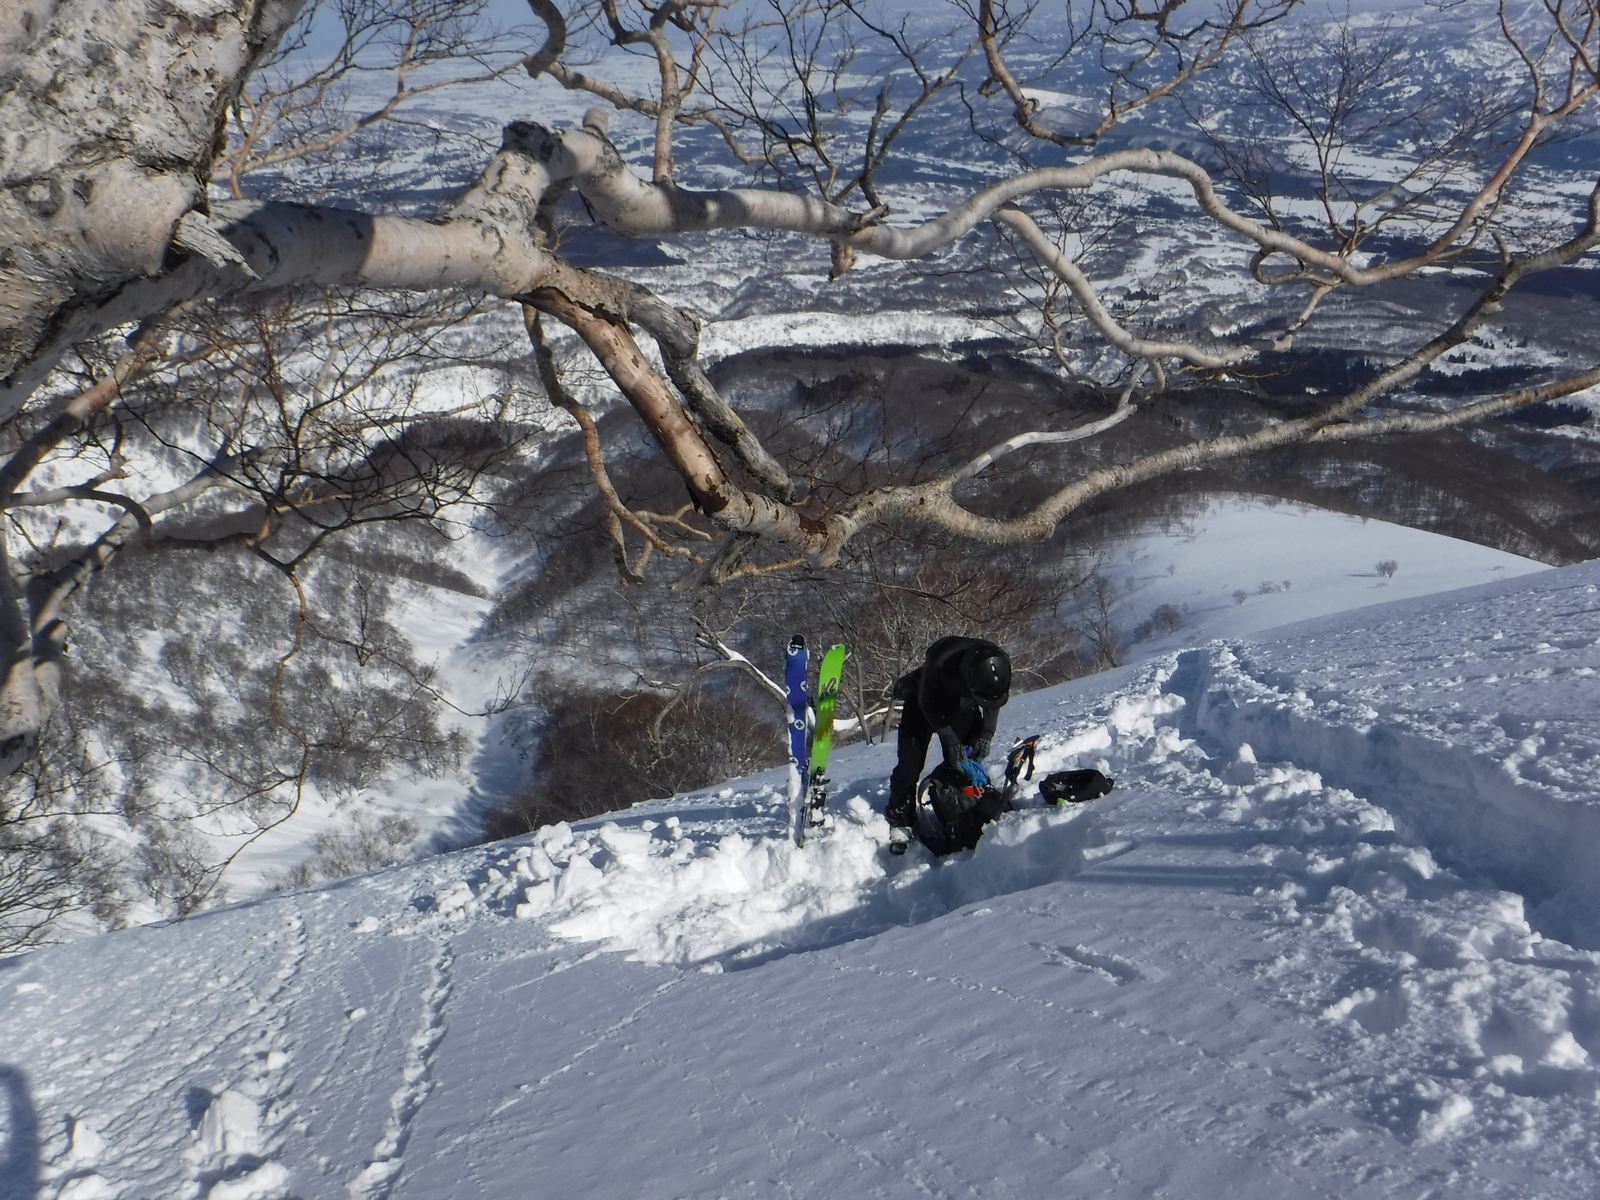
{"x": 1336, "y": 933}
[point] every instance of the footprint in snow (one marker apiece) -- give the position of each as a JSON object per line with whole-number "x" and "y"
{"x": 228, "y": 1158}
{"x": 1111, "y": 967}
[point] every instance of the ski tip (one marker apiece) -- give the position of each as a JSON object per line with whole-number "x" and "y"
{"x": 797, "y": 642}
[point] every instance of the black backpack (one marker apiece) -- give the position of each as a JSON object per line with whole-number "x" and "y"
{"x": 1074, "y": 787}
{"x": 952, "y": 811}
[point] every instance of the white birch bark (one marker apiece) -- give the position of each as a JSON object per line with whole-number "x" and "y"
{"x": 109, "y": 116}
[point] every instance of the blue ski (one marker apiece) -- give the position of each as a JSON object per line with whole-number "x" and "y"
{"x": 794, "y": 678}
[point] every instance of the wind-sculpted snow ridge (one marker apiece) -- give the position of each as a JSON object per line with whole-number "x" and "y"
{"x": 1452, "y": 1006}
{"x": 1471, "y": 715}
{"x": 1481, "y": 805}
{"x": 1402, "y": 832}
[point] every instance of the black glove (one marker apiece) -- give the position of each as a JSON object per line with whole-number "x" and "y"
{"x": 979, "y": 749}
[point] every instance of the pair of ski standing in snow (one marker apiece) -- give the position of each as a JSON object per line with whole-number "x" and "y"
{"x": 956, "y": 696}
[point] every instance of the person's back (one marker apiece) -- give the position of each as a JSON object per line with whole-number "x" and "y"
{"x": 944, "y": 690}
{"x": 957, "y": 695}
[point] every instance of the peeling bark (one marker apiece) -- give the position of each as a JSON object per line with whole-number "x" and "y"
{"x": 488, "y": 241}
{"x": 109, "y": 116}
{"x": 713, "y": 493}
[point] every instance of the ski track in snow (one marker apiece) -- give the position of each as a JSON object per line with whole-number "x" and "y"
{"x": 1424, "y": 962}
{"x": 222, "y": 1080}
{"x": 1413, "y": 877}
{"x": 1108, "y": 966}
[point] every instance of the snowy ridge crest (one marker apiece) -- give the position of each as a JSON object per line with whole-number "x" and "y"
{"x": 1457, "y": 1013}
{"x": 1474, "y": 806}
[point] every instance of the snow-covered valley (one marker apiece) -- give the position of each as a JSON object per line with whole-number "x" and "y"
{"x": 1333, "y": 934}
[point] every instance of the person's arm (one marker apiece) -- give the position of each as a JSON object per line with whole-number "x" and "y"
{"x": 957, "y": 758}
{"x": 983, "y": 736}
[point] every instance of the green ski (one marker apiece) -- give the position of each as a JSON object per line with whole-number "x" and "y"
{"x": 822, "y": 736}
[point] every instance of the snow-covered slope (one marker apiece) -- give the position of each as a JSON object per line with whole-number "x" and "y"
{"x": 1334, "y": 934}
{"x": 758, "y": 293}
{"x": 1245, "y": 564}
{"x": 1327, "y": 560}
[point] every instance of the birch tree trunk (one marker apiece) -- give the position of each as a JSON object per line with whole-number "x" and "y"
{"x": 110, "y": 116}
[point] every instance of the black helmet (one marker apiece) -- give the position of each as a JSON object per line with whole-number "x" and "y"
{"x": 988, "y": 675}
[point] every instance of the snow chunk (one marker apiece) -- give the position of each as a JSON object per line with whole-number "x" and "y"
{"x": 231, "y": 1127}
{"x": 741, "y": 900}
{"x": 1451, "y": 1114}
{"x": 266, "y": 1182}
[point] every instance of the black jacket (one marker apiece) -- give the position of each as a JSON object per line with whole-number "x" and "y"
{"x": 939, "y": 689}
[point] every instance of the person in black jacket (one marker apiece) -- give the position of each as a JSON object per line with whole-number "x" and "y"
{"x": 957, "y": 695}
